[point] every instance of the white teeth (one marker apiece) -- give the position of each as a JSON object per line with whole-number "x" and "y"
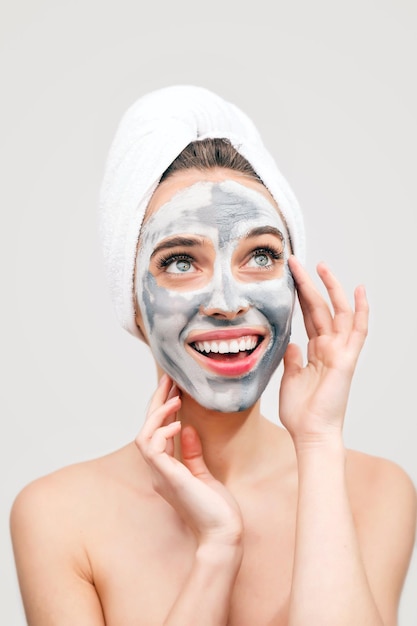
{"x": 242, "y": 345}
{"x": 225, "y": 347}
{"x": 250, "y": 343}
{"x": 234, "y": 346}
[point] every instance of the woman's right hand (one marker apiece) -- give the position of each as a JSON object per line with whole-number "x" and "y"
{"x": 203, "y": 502}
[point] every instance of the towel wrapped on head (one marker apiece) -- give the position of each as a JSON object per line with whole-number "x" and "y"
{"x": 150, "y": 136}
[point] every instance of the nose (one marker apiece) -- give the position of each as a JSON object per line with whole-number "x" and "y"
{"x": 225, "y": 300}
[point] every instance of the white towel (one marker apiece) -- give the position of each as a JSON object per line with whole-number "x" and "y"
{"x": 151, "y": 134}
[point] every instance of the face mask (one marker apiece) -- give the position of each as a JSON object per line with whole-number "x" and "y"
{"x": 215, "y": 292}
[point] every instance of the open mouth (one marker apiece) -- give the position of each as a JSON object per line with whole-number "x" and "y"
{"x": 232, "y": 349}
{"x": 228, "y": 354}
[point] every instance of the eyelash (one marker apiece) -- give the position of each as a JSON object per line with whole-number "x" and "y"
{"x": 165, "y": 261}
{"x": 170, "y": 258}
{"x": 274, "y": 253}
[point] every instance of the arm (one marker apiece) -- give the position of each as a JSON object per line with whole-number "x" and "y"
{"x": 332, "y": 581}
{"x": 330, "y": 585}
{"x": 53, "y": 571}
{"x": 205, "y": 598}
{"x": 205, "y": 506}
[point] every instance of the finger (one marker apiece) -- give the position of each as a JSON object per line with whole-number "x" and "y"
{"x": 172, "y": 417}
{"x": 161, "y": 393}
{"x": 316, "y": 312}
{"x": 160, "y": 417}
{"x": 192, "y": 453}
{"x": 162, "y": 436}
{"x": 293, "y": 360}
{"x": 360, "y": 319}
{"x": 174, "y": 391}
{"x": 343, "y": 314}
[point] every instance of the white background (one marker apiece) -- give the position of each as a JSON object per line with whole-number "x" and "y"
{"x": 331, "y": 86}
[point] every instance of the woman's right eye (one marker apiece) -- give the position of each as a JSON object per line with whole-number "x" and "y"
{"x": 178, "y": 265}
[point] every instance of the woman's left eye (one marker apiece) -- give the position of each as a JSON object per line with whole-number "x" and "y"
{"x": 263, "y": 258}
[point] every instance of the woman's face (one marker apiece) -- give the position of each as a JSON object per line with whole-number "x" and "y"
{"x": 213, "y": 287}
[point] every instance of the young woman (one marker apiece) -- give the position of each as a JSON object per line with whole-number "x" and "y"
{"x": 215, "y": 515}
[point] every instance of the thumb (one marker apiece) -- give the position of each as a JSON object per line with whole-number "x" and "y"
{"x": 293, "y": 360}
{"x": 192, "y": 453}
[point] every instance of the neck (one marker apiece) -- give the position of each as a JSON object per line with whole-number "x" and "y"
{"x": 234, "y": 444}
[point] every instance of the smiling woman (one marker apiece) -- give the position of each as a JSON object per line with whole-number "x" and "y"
{"x": 215, "y": 515}
{"x": 212, "y": 268}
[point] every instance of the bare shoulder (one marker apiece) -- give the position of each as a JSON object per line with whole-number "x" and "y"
{"x": 384, "y": 506}
{"x": 54, "y": 525}
{"x": 376, "y": 483}
{"x": 65, "y": 506}
{"x": 87, "y": 485}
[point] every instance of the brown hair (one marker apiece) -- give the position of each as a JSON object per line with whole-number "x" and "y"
{"x": 206, "y": 154}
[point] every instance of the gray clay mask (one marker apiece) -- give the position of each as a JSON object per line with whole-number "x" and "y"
{"x": 215, "y": 292}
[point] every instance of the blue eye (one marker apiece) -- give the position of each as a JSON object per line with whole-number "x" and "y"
{"x": 183, "y": 266}
{"x": 179, "y": 265}
{"x": 262, "y": 259}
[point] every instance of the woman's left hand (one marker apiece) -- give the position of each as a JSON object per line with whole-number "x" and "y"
{"x": 313, "y": 398}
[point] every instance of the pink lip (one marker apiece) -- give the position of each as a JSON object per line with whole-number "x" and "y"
{"x": 228, "y": 367}
{"x": 224, "y": 334}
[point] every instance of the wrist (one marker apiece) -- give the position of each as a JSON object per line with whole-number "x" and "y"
{"x": 323, "y": 443}
{"x": 228, "y": 536}
{"x": 229, "y": 539}
{"x": 215, "y": 553}
{"x": 321, "y": 461}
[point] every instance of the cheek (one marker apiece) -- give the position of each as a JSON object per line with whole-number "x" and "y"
{"x": 275, "y": 299}
{"x": 167, "y": 310}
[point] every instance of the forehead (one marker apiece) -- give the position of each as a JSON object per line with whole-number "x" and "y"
{"x": 227, "y": 207}
{"x": 186, "y": 178}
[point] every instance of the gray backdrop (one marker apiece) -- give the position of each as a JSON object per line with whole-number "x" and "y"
{"x": 332, "y": 88}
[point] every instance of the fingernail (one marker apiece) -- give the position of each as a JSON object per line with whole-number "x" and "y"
{"x": 163, "y": 379}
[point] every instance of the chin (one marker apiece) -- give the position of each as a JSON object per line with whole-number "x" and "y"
{"x": 229, "y": 396}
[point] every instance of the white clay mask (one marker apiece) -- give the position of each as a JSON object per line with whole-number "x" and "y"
{"x": 215, "y": 292}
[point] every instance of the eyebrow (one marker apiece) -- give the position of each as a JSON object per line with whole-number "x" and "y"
{"x": 264, "y": 230}
{"x": 176, "y": 242}
{"x": 181, "y": 242}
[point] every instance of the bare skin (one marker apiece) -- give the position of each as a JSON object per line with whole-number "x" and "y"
{"x": 227, "y": 519}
